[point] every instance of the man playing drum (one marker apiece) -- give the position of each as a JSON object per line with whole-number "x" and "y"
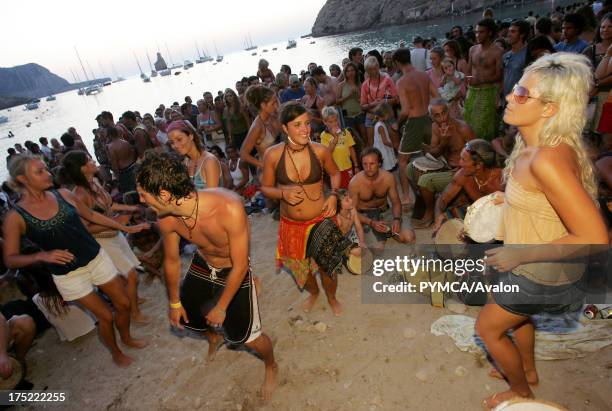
{"x": 448, "y": 138}
{"x": 371, "y": 191}
{"x": 478, "y": 176}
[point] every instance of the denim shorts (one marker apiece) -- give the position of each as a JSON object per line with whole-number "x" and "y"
{"x": 533, "y": 298}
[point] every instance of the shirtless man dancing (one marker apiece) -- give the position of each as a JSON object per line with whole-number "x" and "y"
{"x": 122, "y": 157}
{"x": 217, "y": 295}
{"x": 484, "y": 74}
{"x": 414, "y": 89}
{"x": 371, "y": 191}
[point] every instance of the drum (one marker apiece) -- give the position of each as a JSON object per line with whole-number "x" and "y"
{"x": 448, "y": 240}
{"x": 483, "y": 219}
{"x": 358, "y": 265}
{"x": 426, "y": 164}
{"x": 11, "y": 382}
{"x": 525, "y": 404}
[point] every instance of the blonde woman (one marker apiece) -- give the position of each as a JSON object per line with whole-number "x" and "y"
{"x": 549, "y": 199}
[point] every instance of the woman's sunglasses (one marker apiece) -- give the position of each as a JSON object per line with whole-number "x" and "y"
{"x": 521, "y": 94}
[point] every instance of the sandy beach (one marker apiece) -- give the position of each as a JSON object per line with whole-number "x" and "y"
{"x": 373, "y": 357}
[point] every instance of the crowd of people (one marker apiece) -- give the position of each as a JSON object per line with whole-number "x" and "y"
{"x": 518, "y": 108}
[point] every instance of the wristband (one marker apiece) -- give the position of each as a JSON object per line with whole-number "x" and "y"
{"x": 176, "y": 305}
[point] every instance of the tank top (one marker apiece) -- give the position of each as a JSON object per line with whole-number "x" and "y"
{"x": 351, "y": 105}
{"x": 200, "y": 182}
{"x": 237, "y": 174}
{"x": 388, "y": 155}
{"x": 63, "y": 231}
{"x": 529, "y": 218}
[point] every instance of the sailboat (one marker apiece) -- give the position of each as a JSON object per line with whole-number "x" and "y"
{"x": 91, "y": 89}
{"x": 153, "y": 72}
{"x": 143, "y": 76}
{"x": 249, "y": 43}
{"x": 219, "y": 56}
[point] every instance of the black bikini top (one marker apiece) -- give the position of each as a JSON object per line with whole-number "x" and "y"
{"x": 316, "y": 173}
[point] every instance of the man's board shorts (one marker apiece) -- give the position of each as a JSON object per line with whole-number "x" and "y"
{"x": 481, "y": 111}
{"x": 200, "y": 291}
{"x": 416, "y": 131}
{"x": 437, "y": 181}
{"x": 80, "y": 282}
{"x": 380, "y": 214}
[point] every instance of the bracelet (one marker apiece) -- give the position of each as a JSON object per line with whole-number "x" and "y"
{"x": 176, "y": 305}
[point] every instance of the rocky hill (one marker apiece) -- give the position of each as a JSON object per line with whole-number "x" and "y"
{"x": 342, "y": 16}
{"x": 30, "y": 80}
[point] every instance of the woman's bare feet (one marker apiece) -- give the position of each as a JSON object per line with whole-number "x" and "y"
{"x": 310, "y": 302}
{"x": 269, "y": 382}
{"x": 530, "y": 375}
{"x": 496, "y": 399}
{"x": 336, "y": 307}
{"x": 135, "y": 343}
{"x": 122, "y": 360}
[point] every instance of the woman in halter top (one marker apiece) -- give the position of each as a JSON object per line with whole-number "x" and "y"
{"x": 549, "y": 199}
{"x": 204, "y": 168}
{"x": 264, "y": 128}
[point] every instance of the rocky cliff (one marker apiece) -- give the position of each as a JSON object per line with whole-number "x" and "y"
{"x": 30, "y": 80}
{"x": 341, "y": 16}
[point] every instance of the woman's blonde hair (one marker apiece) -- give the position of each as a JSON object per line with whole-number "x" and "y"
{"x": 17, "y": 166}
{"x": 564, "y": 79}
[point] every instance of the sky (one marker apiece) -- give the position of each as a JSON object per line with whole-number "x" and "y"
{"x": 107, "y": 33}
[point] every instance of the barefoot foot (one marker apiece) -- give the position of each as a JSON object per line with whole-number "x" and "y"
{"x": 135, "y": 343}
{"x": 122, "y": 360}
{"x": 496, "y": 399}
{"x": 336, "y": 307}
{"x": 269, "y": 382}
{"x": 310, "y": 302}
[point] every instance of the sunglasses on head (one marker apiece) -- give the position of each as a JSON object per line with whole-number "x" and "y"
{"x": 472, "y": 152}
{"x": 521, "y": 94}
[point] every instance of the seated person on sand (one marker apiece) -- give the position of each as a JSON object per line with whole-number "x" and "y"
{"x": 371, "y": 190}
{"x": 479, "y": 175}
{"x": 504, "y": 144}
{"x": 347, "y": 220}
{"x": 448, "y": 139}
{"x": 217, "y": 295}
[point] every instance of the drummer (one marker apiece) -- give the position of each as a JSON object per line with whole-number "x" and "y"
{"x": 479, "y": 175}
{"x": 448, "y": 138}
{"x": 371, "y": 190}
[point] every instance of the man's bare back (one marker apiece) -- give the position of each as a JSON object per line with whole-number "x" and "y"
{"x": 121, "y": 154}
{"x": 414, "y": 90}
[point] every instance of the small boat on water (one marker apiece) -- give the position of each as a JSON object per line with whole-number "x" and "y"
{"x": 51, "y": 98}
{"x": 3, "y": 119}
{"x": 274, "y": 48}
{"x": 165, "y": 72}
{"x": 265, "y": 50}
{"x": 153, "y": 73}
{"x": 36, "y": 100}
{"x": 93, "y": 89}
{"x": 119, "y": 79}
{"x": 146, "y": 79}
{"x": 31, "y": 105}
{"x": 313, "y": 42}
{"x": 28, "y": 124}
{"x": 254, "y": 53}
{"x": 187, "y": 65}
{"x": 291, "y": 44}
{"x": 219, "y": 58}
{"x": 176, "y": 73}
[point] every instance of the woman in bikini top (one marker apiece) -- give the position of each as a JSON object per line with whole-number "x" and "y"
{"x": 262, "y": 133}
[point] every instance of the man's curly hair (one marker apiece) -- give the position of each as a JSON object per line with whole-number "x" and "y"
{"x": 164, "y": 171}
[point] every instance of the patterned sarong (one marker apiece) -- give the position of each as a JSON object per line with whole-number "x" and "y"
{"x": 481, "y": 111}
{"x": 304, "y": 247}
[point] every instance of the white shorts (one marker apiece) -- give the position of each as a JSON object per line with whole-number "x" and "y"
{"x": 120, "y": 252}
{"x": 80, "y": 282}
